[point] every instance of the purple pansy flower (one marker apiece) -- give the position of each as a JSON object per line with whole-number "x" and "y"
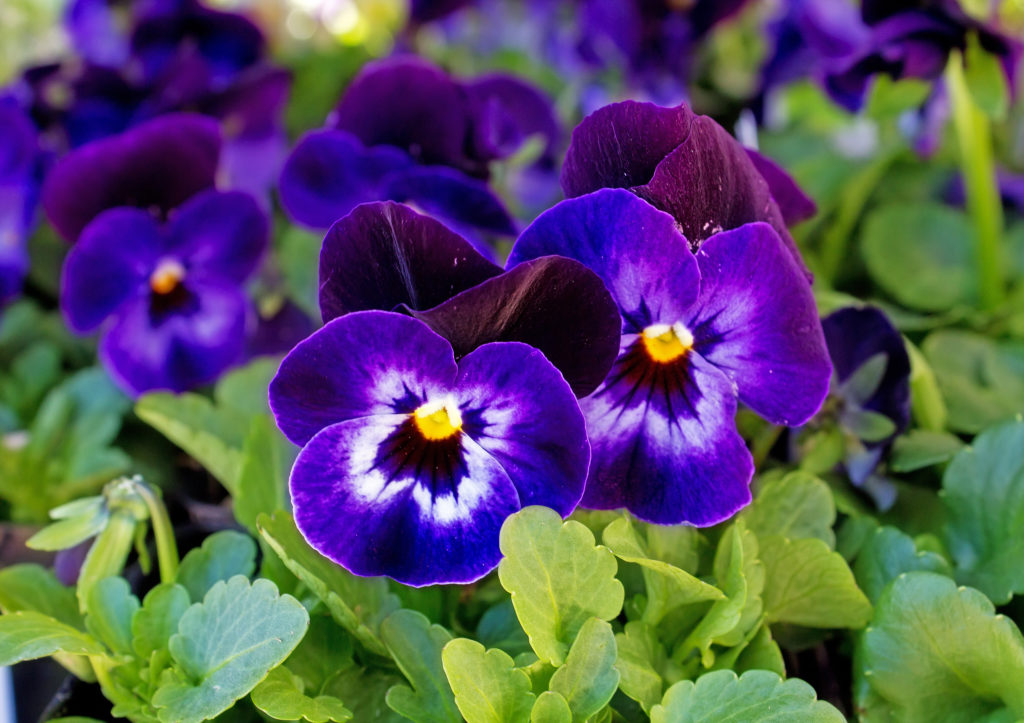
{"x": 386, "y": 256}
{"x": 735, "y": 321}
{"x": 168, "y": 297}
{"x": 684, "y": 164}
{"x": 155, "y": 166}
{"x": 406, "y": 131}
{"x": 410, "y": 460}
{"x": 19, "y": 190}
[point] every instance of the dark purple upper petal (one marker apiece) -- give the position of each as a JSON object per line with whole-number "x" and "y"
{"x": 756, "y": 320}
{"x": 795, "y": 205}
{"x": 157, "y": 165}
{"x": 385, "y": 254}
{"x": 97, "y": 30}
{"x": 410, "y": 104}
{"x": 330, "y": 172}
{"x": 506, "y": 111}
{"x": 553, "y": 303}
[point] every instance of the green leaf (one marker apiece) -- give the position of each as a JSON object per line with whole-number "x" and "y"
{"x": 557, "y": 577}
{"x": 986, "y": 79}
{"x": 499, "y": 628}
{"x": 667, "y": 585}
{"x": 932, "y": 266}
{"x": 888, "y": 98}
{"x": 281, "y": 697}
{"x": 110, "y": 607}
{"x": 983, "y": 489}
{"x": 796, "y": 506}
{"x": 363, "y": 692}
{"x": 550, "y": 708}
{"x": 921, "y": 448}
{"x": 808, "y": 584}
{"x": 222, "y": 555}
{"x": 757, "y": 696}
{"x": 193, "y": 423}
{"x": 761, "y": 653}
{"x": 358, "y": 604}
{"x": 261, "y": 480}
{"x": 225, "y": 646}
{"x": 488, "y": 687}
{"x": 887, "y": 554}
{"x": 244, "y": 390}
{"x": 324, "y": 651}
{"x": 28, "y": 635}
{"x": 157, "y": 620}
{"x": 35, "y": 588}
{"x": 926, "y": 401}
{"x": 938, "y": 652}
{"x": 70, "y": 531}
{"x": 589, "y": 679}
{"x": 640, "y": 658}
{"x": 416, "y": 647}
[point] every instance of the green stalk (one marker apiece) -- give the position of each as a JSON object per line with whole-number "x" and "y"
{"x": 977, "y": 165}
{"x": 166, "y": 547}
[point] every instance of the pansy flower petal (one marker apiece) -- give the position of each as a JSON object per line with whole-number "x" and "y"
{"x": 220, "y": 232}
{"x": 664, "y": 441}
{"x": 114, "y": 256}
{"x": 385, "y": 254}
{"x": 756, "y": 321}
{"x": 552, "y": 303}
{"x": 330, "y": 172}
{"x": 506, "y": 112}
{"x": 156, "y": 165}
{"x": 145, "y": 349}
{"x": 795, "y": 205}
{"x": 636, "y": 249}
{"x": 520, "y": 410}
{"x": 378, "y": 503}
{"x": 15, "y": 217}
{"x": 349, "y": 369}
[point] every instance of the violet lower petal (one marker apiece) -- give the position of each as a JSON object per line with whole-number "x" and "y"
{"x": 367, "y": 496}
{"x": 156, "y": 165}
{"x": 331, "y": 172}
{"x": 552, "y": 303}
{"x": 350, "y": 368}
{"x": 756, "y": 320}
{"x": 385, "y": 254}
{"x": 664, "y": 441}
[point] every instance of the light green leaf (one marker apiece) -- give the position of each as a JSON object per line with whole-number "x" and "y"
{"x": 983, "y": 489}
{"x": 808, "y": 584}
{"x": 678, "y": 545}
{"x": 757, "y": 696}
{"x": 931, "y": 268}
{"x": 262, "y": 480}
{"x": 921, "y": 448}
{"x": 281, "y": 697}
{"x": 551, "y": 708}
{"x": 588, "y": 680}
{"x": 761, "y": 653}
{"x": 70, "y": 531}
{"x": 193, "y": 423}
{"x": 888, "y": 98}
{"x": 557, "y": 577}
{"x": 358, "y": 604}
{"x": 110, "y": 607}
{"x": 28, "y": 635}
{"x": 888, "y": 553}
{"x": 225, "y": 646}
{"x": 986, "y": 79}
{"x": 33, "y": 587}
{"x": 796, "y": 506}
{"x": 488, "y": 687}
{"x": 926, "y": 401}
{"x": 640, "y": 658}
{"x": 157, "y": 620}
{"x": 416, "y": 647}
{"x": 244, "y": 390}
{"x": 937, "y": 652}
{"x": 222, "y": 555}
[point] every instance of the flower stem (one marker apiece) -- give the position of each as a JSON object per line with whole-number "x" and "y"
{"x": 166, "y": 547}
{"x": 978, "y": 168}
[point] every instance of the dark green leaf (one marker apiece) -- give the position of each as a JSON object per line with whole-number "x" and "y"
{"x": 416, "y": 646}
{"x": 887, "y": 554}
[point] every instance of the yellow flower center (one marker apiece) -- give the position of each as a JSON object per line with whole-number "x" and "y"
{"x": 438, "y": 420}
{"x": 165, "y": 279}
{"x": 664, "y": 343}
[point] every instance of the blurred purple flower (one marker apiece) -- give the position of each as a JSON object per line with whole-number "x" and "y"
{"x": 168, "y": 297}
{"x": 20, "y": 170}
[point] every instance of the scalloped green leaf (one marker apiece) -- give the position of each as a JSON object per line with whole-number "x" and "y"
{"x": 415, "y": 645}
{"x": 983, "y": 489}
{"x": 488, "y": 687}
{"x": 110, "y": 607}
{"x": 641, "y": 656}
{"x": 281, "y": 696}
{"x": 27, "y": 635}
{"x": 558, "y": 578}
{"x": 757, "y": 696}
{"x": 589, "y": 679}
{"x": 222, "y": 555}
{"x": 550, "y": 708}
{"x": 938, "y": 652}
{"x": 888, "y": 553}
{"x": 33, "y": 587}
{"x": 796, "y": 506}
{"x": 225, "y": 646}
{"x": 157, "y": 620}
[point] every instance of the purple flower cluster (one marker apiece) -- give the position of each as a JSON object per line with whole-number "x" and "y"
{"x": 603, "y": 365}
{"x": 21, "y": 164}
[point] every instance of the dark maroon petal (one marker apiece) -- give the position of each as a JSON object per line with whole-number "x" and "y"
{"x": 795, "y": 205}
{"x": 384, "y": 254}
{"x": 621, "y": 145}
{"x": 552, "y": 303}
{"x": 156, "y": 165}
{"x": 408, "y": 103}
